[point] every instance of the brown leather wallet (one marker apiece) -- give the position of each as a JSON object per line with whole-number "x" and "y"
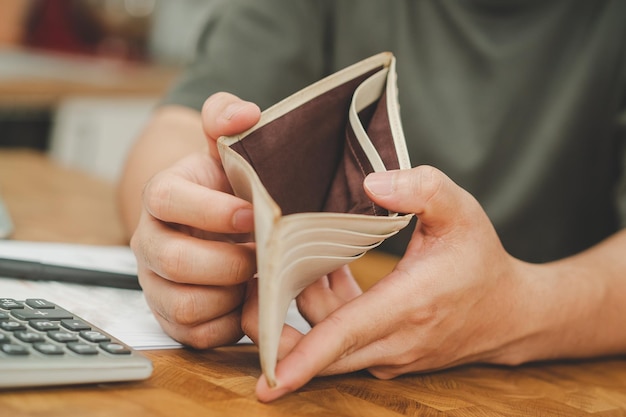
{"x": 302, "y": 166}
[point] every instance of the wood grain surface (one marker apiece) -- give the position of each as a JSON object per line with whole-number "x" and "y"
{"x": 50, "y": 203}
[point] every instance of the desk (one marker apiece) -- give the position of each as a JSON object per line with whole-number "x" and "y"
{"x": 37, "y": 79}
{"x": 51, "y": 203}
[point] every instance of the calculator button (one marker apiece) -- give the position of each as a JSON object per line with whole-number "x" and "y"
{"x": 9, "y": 304}
{"x": 4, "y": 338}
{"x": 115, "y": 348}
{"x": 49, "y": 349}
{"x": 94, "y": 336}
{"x": 29, "y": 337}
{"x": 11, "y": 325}
{"x": 43, "y": 325}
{"x": 63, "y": 337}
{"x": 11, "y": 349}
{"x": 4, "y": 316}
{"x": 39, "y": 303}
{"x": 82, "y": 348}
{"x": 75, "y": 325}
{"x": 55, "y": 314}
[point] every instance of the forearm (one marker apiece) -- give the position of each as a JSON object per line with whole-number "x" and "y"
{"x": 576, "y": 307}
{"x": 172, "y": 133}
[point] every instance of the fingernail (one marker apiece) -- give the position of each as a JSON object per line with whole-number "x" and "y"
{"x": 243, "y": 220}
{"x": 380, "y": 183}
{"x": 276, "y": 391}
{"x": 232, "y": 109}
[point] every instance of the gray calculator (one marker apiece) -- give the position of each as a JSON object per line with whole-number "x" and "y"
{"x": 44, "y": 344}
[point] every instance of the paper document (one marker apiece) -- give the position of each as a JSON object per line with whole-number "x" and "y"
{"x": 123, "y": 313}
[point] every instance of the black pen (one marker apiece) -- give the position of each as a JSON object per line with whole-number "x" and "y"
{"x": 39, "y": 271}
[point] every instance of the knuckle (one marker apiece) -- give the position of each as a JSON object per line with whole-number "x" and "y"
{"x": 236, "y": 269}
{"x": 241, "y": 265}
{"x": 182, "y": 309}
{"x": 424, "y": 315}
{"x": 173, "y": 262}
{"x": 215, "y": 333}
{"x": 135, "y": 244}
{"x": 197, "y": 339}
{"x": 157, "y": 197}
{"x": 339, "y": 326}
{"x": 304, "y": 301}
{"x": 428, "y": 181}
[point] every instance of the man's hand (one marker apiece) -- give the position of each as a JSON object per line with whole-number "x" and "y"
{"x": 449, "y": 301}
{"x": 192, "y": 242}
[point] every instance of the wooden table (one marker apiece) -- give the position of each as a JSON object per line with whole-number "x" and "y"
{"x": 50, "y": 203}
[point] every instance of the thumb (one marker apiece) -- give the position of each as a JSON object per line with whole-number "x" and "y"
{"x": 425, "y": 191}
{"x": 226, "y": 114}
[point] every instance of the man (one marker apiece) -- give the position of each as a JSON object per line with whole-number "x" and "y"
{"x": 518, "y": 252}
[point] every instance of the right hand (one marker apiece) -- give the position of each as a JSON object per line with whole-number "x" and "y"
{"x": 192, "y": 243}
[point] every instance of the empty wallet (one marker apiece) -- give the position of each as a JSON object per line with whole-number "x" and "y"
{"x": 302, "y": 167}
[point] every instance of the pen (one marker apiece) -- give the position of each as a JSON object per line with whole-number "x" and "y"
{"x": 37, "y": 271}
{"x": 6, "y": 224}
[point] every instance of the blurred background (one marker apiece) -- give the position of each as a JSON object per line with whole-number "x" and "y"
{"x": 78, "y": 78}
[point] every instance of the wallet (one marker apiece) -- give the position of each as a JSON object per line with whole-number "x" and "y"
{"x": 302, "y": 167}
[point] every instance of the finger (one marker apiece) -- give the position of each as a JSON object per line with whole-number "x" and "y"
{"x": 343, "y": 284}
{"x": 188, "y": 304}
{"x": 173, "y": 199}
{"x": 327, "y": 294}
{"x": 437, "y": 201}
{"x": 225, "y": 114}
{"x": 344, "y": 331}
{"x": 185, "y": 259}
{"x": 250, "y": 322}
{"x": 220, "y": 331}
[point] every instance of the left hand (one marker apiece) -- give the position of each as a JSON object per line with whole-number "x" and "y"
{"x": 454, "y": 298}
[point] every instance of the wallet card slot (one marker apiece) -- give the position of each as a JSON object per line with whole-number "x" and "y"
{"x": 324, "y": 249}
{"x": 276, "y": 295}
{"x": 346, "y": 237}
{"x": 305, "y": 271}
{"x": 367, "y": 94}
{"x": 377, "y": 225}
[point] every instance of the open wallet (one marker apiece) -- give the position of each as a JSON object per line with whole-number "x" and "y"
{"x": 302, "y": 166}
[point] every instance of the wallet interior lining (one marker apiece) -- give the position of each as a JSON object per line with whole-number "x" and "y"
{"x": 309, "y": 159}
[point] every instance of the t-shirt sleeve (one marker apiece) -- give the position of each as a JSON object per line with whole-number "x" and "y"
{"x": 259, "y": 50}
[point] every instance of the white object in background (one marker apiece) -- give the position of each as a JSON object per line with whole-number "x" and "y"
{"x": 94, "y": 134}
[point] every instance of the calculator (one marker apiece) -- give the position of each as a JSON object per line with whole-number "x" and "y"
{"x": 43, "y": 344}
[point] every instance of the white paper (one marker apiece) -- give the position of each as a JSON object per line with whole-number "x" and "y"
{"x": 120, "y": 312}
{"x": 117, "y": 259}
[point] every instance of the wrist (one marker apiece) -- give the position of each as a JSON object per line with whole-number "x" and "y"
{"x": 555, "y": 311}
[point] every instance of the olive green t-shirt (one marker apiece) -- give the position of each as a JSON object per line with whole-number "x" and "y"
{"x": 521, "y": 102}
